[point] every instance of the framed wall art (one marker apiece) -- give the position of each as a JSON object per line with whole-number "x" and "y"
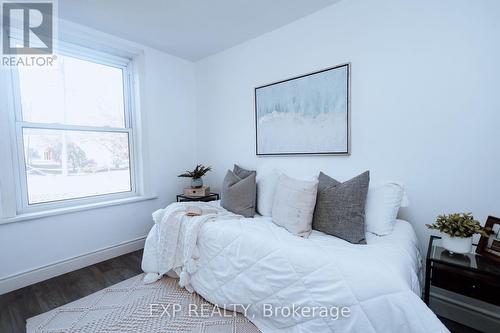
{"x": 303, "y": 115}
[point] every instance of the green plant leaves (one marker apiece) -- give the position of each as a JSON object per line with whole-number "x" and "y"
{"x": 197, "y": 173}
{"x": 458, "y": 225}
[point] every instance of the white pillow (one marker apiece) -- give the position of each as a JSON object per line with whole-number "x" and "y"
{"x": 382, "y": 206}
{"x": 266, "y": 188}
{"x": 293, "y": 206}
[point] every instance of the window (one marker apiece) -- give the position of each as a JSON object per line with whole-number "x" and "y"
{"x": 74, "y": 130}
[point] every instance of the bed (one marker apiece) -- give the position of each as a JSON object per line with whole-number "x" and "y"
{"x": 260, "y": 269}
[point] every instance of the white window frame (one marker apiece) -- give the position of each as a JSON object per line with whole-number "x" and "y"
{"x": 16, "y": 182}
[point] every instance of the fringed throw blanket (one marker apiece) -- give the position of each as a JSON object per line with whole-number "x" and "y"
{"x": 171, "y": 244}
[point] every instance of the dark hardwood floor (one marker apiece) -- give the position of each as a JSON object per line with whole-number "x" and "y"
{"x": 21, "y": 304}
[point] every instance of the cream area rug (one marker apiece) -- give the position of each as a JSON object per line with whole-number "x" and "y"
{"x": 132, "y": 306}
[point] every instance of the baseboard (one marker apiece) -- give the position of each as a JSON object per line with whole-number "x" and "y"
{"x": 26, "y": 278}
{"x": 481, "y": 316}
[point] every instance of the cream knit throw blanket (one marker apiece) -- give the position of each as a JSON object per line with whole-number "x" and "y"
{"x": 171, "y": 244}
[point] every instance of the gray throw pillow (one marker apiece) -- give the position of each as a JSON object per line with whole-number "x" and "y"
{"x": 242, "y": 173}
{"x": 239, "y": 191}
{"x": 340, "y": 207}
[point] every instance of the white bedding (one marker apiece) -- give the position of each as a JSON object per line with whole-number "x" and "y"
{"x": 255, "y": 262}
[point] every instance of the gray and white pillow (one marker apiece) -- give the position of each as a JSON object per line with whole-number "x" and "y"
{"x": 239, "y": 191}
{"x": 293, "y": 205}
{"x": 340, "y": 207}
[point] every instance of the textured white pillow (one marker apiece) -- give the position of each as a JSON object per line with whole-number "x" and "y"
{"x": 266, "y": 188}
{"x": 293, "y": 206}
{"x": 382, "y": 206}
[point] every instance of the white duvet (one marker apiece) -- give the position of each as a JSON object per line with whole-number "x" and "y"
{"x": 280, "y": 279}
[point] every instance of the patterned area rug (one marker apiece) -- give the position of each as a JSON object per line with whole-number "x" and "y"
{"x": 132, "y": 306}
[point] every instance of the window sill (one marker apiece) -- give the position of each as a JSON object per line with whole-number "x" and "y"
{"x": 73, "y": 209}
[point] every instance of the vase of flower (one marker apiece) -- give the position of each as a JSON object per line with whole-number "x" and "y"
{"x": 196, "y": 175}
{"x": 456, "y": 231}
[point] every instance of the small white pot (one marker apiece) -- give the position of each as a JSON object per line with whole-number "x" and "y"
{"x": 457, "y": 244}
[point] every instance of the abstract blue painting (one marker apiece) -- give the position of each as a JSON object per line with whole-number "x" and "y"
{"x": 308, "y": 114}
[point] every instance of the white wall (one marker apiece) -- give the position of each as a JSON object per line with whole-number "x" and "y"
{"x": 425, "y": 106}
{"x": 168, "y": 106}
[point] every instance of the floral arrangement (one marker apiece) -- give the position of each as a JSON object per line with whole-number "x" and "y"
{"x": 461, "y": 225}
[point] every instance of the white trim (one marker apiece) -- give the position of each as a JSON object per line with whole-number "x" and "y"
{"x": 140, "y": 137}
{"x": 80, "y": 51}
{"x": 26, "y": 278}
{"x": 8, "y": 172}
{"x": 19, "y": 175}
{"x": 84, "y": 36}
{"x": 130, "y": 110}
{"x": 75, "y": 208}
{"x": 92, "y": 55}
{"x": 69, "y": 127}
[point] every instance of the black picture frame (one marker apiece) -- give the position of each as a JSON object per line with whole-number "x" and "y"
{"x": 483, "y": 248}
{"x": 348, "y": 128}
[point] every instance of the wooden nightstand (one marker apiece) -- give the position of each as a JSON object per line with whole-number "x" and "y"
{"x": 468, "y": 274}
{"x": 207, "y": 198}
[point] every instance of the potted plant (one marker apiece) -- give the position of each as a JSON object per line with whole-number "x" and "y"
{"x": 457, "y": 230}
{"x": 196, "y": 175}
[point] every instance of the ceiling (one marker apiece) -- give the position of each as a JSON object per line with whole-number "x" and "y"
{"x": 190, "y": 29}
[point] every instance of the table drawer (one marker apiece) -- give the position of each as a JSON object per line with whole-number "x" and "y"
{"x": 478, "y": 286}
